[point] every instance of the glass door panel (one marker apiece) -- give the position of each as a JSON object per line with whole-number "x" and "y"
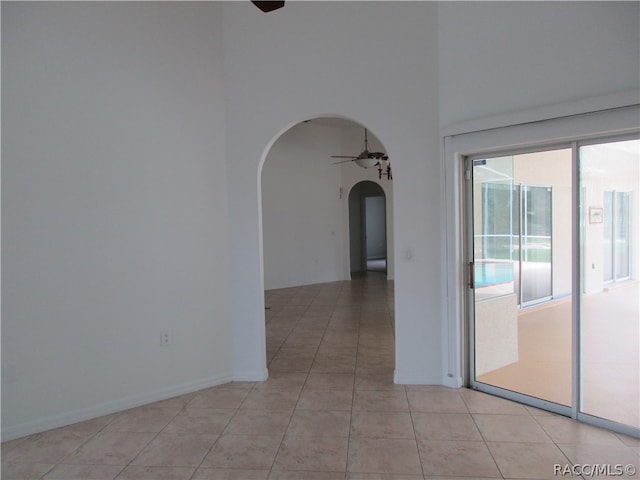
{"x": 607, "y": 237}
{"x": 521, "y": 215}
{"x": 536, "y": 243}
{"x": 621, "y": 221}
{"x": 610, "y": 320}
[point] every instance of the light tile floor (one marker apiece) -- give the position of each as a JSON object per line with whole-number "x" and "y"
{"x": 329, "y": 411}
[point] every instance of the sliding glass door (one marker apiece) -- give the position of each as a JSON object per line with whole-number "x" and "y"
{"x": 522, "y": 288}
{"x": 610, "y": 320}
{"x": 554, "y": 278}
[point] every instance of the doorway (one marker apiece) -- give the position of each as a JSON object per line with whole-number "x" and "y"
{"x": 367, "y": 228}
{"x": 553, "y": 279}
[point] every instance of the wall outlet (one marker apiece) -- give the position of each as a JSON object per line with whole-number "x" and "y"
{"x": 164, "y": 338}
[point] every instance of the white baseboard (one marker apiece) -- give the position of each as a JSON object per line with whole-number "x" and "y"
{"x": 251, "y": 376}
{"x": 452, "y": 382}
{"x": 69, "y": 418}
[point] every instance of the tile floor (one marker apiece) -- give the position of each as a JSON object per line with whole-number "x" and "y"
{"x": 328, "y": 411}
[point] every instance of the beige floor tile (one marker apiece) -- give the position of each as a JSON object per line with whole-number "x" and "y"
{"x": 320, "y": 422}
{"x": 510, "y": 428}
{"x": 380, "y": 401}
{"x": 439, "y": 477}
{"x": 383, "y": 455}
{"x": 308, "y": 453}
{"x": 230, "y": 474}
{"x": 374, "y": 365}
{"x": 24, "y": 471}
{"x": 325, "y": 400}
{"x": 179, "y": 401}
{"x": 382, "y": 425}
{"x": 282, "y": 381}
{"x": 627, "y": 440}
{"x": 11, "y": 444}
{"x": 445, "y": 426}
{"x": 432, "y": 388}
{"x": 339, "y": 340}
{"x": 527, "y": 460}
{"x": 200, "y": 420}
{"x": 603, "y": 455}
{"x": 134, "y": 472}
{"x": 336, "y": 363}
{"x": 457, "y": 458}
{"x": 47, "y": 447}
{"x": 92, "y": 426}
{"x": 383, "y": 476}
{"x": 258, "y": 422}
{"x": 110, "y": 448}
{"x": 330, "y": 381}
{"x": 292, "y": 475}
{"x": 291, "y": 366}
{"x": 378, "y": 381}
{"x": 219, "y": 398}
{"x": 176, "y": 450}
{"x": 329, "y": 351}
{"x": 566, "y": 430}
{"x": 252, "y": 452}
{"x": 84, "y": 472}
{"x": 433, "y": 402}
{"x": 143, "y": 419}
{"x": 271, "y": 399}
{"x": 479, "y": 402}
{"x": 300, "y": 340}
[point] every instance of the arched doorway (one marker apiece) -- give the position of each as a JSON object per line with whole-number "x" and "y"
{"x": 317, "y": 320}
{"x": 305, "y": 205}
{"x": 367, "y": 228}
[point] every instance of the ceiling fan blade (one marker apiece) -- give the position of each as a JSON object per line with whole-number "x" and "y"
{"x": 268, "y": 6}
{"x": 343, "y": 161}
{"x": 343, "y": 156}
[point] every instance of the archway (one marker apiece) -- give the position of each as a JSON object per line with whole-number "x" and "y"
{"x": 305, "y": 207}
{"x": 306, "y": 242}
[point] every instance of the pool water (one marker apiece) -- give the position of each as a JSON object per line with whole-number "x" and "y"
{"x": 492, "y": 273}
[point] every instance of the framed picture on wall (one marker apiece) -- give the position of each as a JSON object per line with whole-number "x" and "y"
{"x": 596, "y": 215}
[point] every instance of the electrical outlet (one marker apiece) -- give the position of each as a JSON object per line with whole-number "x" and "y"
{"x": 164, "y": 338}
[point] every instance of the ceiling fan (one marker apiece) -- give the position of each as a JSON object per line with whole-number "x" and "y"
{"x": 268, "y": 6}
{"x": 366, "y": 159}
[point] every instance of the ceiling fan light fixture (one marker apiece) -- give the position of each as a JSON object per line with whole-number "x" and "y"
{"x": 366, "y": 162}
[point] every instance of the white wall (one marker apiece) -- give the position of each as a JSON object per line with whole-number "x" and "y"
{"x": 502, "y": 57}
{"x": 114, "y": 208}
{"x": 373, "y": 63}
{"x": 302, "y": 208}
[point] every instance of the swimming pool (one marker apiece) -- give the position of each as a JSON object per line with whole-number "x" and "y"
{"x": 492, "y": 273}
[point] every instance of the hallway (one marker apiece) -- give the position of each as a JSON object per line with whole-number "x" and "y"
{"x": 329, "y": 411}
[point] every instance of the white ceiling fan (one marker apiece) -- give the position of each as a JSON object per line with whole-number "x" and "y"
{"x": 366, "y": 159}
